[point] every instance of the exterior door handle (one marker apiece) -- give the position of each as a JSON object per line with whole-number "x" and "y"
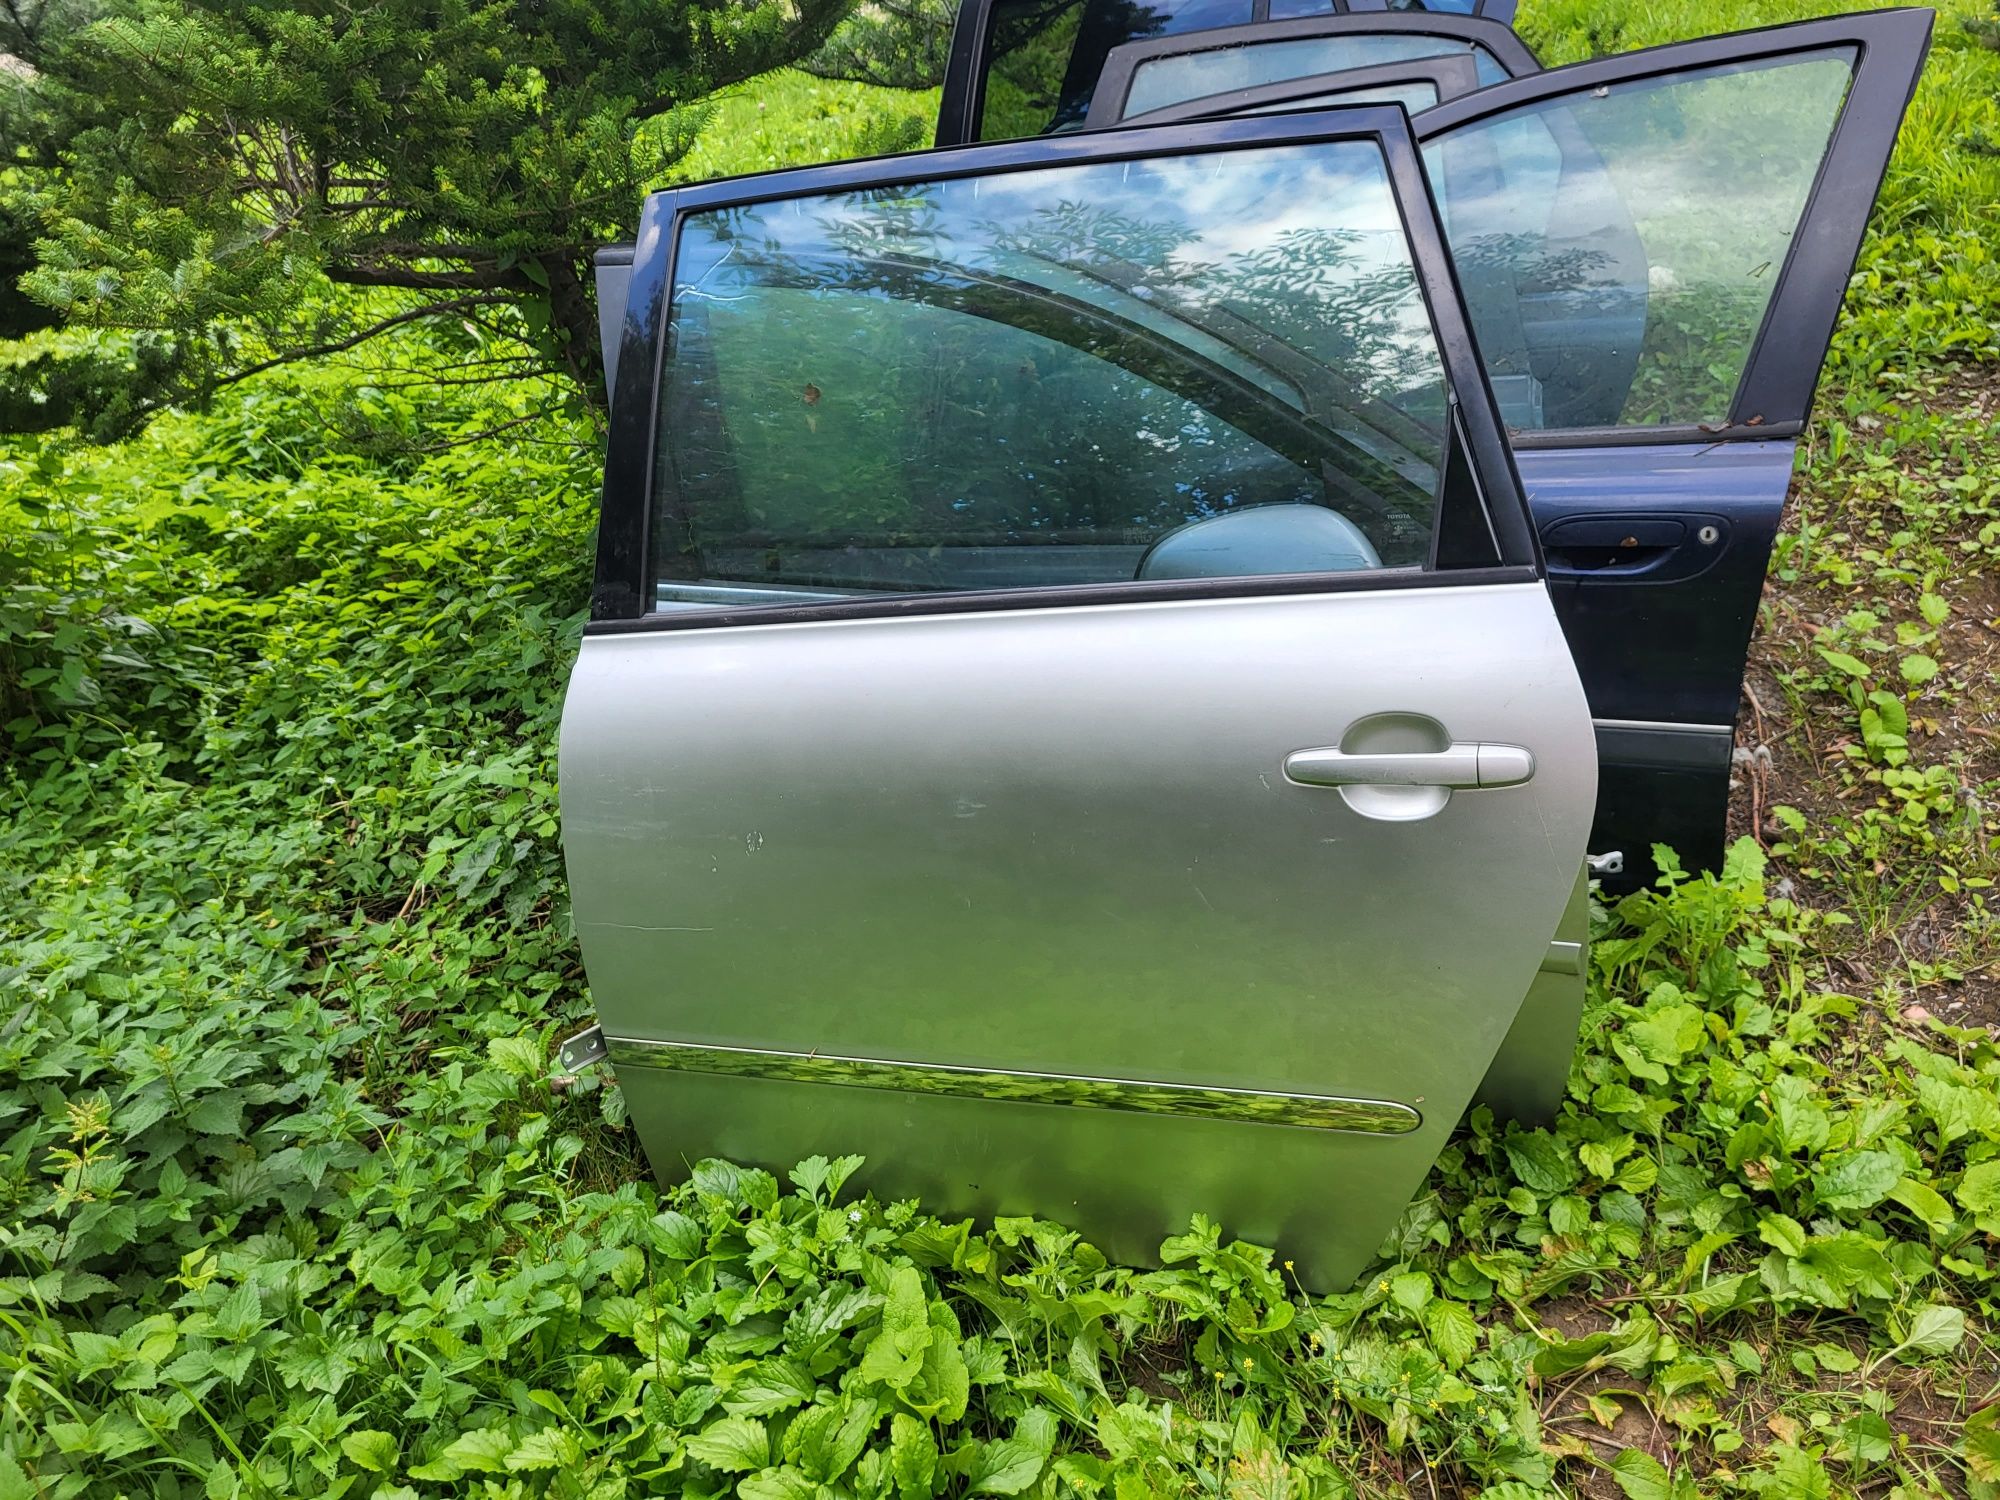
{"x": 1463, "y": 767}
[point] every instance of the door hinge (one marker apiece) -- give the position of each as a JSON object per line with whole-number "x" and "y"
{"x": 583, "y": 1049}
{"x": 1606, "y": 864}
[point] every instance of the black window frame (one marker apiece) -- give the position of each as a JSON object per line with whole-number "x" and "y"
{"x": 1493, "y": 505}
{"x": 962, "y": 100}
{"x": 1451, "y": 74}
{"x": 1775, "y": 391}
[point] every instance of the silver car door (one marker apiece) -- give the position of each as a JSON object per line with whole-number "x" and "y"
{"x": 1049, "y": 723}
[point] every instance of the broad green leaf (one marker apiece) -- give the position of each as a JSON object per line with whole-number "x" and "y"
{"x": 1933, "y": 1330}
{"x": 736, "y": 1445}
{"x": 1630, "y": 1347}
{"x": 825, "y": 1440}
{"x": 943, "y": 1387}
{"x": 1857, "y": 1179}
{"x": 1668, "y": 1034}
{"x": 484, "y": 1450}
{"x": 896, "y": 1354}
{"x": 1840, "y": 661}
{"x": 1801, "y": 1119}
{"x": 1452, "y": 1329}
{"x": 676, "y": 1236}
{"x": 1925, "y": 1201}
{"x": 1919, "y": 669}
{"x": 784, "y": 1483}
{"x": 1980, "y": 1443}
{"x": 1541, "y": 1162}
{"x": 1410, "y": 1290}
{"x": 1782, "y": 1233}
{"x": 913, "y": 1456}
{"x": 775, "y": 1385}
{"x": 1641, "y": 1476}
{"x": 374, "y": 1451}
{"x": 551, "y": 1448}
{"x": 1005, "y": 1468}
{"x": 1797, "y": 1475}
{"x": 1979, "y": 1189}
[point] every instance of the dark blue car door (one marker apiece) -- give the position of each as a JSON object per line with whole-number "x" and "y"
{"x": 1654, "y": 248}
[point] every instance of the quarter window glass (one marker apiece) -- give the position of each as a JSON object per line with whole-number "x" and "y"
{"x": 1187, "y": 367}
{"x": 1193, "y": 75}
{"x": 1618, "y": 249}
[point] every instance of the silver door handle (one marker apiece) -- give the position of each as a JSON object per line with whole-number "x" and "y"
{"x": 1463, "y": 767}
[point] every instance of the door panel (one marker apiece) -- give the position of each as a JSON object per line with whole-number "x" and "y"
{"x": 1047, "y": 694}
{"x": 1062, "y": 841}
{"x": 1653, "y": 249}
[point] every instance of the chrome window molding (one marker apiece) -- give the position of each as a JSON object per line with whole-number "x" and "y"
{"x": 1301, "y": 1111}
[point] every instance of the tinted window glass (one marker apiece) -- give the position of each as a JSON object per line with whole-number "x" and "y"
{"x": 1192, "y": 75}
{"x": 1412, "y": 96}
{"x": 1618, "y": 249}
{"x": 1049, "y": 377}
{"x": 1044, "y": 55}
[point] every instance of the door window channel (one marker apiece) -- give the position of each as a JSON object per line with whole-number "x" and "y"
{"x": 1207, "y": 366}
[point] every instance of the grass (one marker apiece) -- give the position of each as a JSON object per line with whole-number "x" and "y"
{"x": 290, "y": 1202}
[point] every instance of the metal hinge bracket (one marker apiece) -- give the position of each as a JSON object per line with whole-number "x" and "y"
{"x": 583, "y": 1049}
{"x": 1606, "y": 864}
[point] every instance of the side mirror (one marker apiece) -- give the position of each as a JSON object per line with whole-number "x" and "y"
{"x": 1286, "y": 537}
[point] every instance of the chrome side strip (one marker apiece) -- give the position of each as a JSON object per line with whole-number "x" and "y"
{"x": 1310, "y": 1111}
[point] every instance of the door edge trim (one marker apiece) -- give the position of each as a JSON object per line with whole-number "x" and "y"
{"x": 1003, "y": 1085}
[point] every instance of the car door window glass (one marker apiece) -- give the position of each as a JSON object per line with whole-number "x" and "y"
{"x": 1412, "y": 96}
{"x": 1618, "y": 250}
{"x": 1160, "y": 81}
{"x": 1049, "y": 377}
{"x": 1044, "y": 57}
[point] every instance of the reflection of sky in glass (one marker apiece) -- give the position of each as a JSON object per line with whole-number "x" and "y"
{"x": 1196, "y": 223}
{"x": 1193, "y": 75}
{"x": 898, "y": 387}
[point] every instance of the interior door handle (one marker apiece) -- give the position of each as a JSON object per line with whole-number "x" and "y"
{"x": 1463, "y": 767}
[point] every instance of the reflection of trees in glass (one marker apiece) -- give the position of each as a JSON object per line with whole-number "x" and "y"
{"x": 1566, "y": 315}
{"x": 1076, "y": 377}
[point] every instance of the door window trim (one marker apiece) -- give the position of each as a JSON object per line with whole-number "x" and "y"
{"x": 1775, "y": 391}
{"x": 1451, "y": 74}
{"x": 623, "y": 594}
{"x": 963, "y": 98}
